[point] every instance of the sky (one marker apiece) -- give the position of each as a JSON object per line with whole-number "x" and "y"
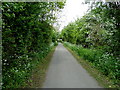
{"x": 73, "y": 9}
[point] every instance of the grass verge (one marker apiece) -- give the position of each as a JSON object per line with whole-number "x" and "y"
{"x": 103, "y": 80}
{"x": 39, "y": 73}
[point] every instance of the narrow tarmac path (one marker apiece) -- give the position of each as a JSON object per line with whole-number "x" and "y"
{"x": 65, "y": 72}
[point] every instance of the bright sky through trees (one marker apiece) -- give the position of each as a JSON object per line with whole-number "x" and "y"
{"x": 72, "y": 10}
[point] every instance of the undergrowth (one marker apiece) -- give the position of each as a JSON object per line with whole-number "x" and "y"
{"x": 104, "y": 62}
{"x": 16, "y": 76}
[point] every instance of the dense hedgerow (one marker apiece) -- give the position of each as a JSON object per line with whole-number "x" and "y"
{"x": 27, "y": 34}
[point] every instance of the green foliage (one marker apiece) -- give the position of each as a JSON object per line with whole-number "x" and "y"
{"x": 56, "y": 43}
{"x": 69, "y": 33}
{"x": 26, "y": 38}
{"x": 55, "y": 36}
{"x": 105, "y": 62}
{"x": 109, "y": 20}
{"x": 97, "y": 35}
{"x": 98, "y": 28}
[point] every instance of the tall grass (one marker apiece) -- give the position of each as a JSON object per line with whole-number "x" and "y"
{"x": 106, "y": 63}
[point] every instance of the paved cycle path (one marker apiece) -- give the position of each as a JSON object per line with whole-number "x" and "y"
{"x": 65, "y": 72}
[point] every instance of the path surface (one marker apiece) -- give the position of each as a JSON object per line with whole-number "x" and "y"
{"x": 65, "y": 72}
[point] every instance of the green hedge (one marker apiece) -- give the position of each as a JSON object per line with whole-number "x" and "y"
{"x": 26, "y": 38}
